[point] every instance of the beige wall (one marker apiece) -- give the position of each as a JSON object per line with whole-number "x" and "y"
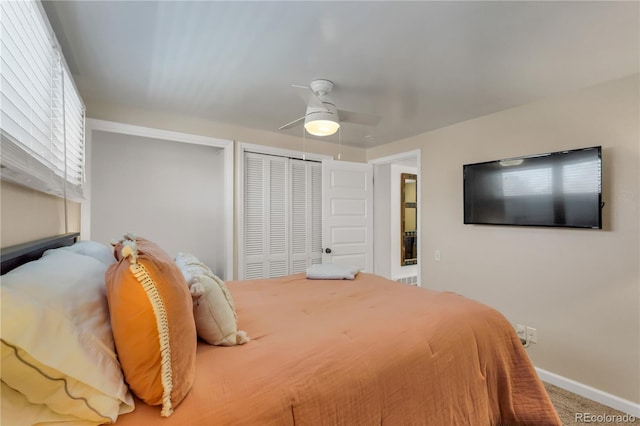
{"x": 183, "y": 204}
{"x": 28, "y": 215}
{"x": 579, "y": 288}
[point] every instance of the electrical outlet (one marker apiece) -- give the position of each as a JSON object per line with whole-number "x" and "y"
{"x": 532, "y": 335}
{"x": 521, "y": 330}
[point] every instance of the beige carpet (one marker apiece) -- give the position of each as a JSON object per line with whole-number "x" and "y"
{"x": 573, "y": 408}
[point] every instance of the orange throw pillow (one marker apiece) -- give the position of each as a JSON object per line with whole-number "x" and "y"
{"x": 152, "y": 321}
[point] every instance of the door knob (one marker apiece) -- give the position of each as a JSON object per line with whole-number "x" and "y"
{"x": 327, "y": 250}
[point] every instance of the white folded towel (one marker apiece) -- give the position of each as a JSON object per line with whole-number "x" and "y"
{"x": 332, "y": 271}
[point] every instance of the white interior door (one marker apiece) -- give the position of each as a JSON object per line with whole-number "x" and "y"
{"x": 347, "y": 220}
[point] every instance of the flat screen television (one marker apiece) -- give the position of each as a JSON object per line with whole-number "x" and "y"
{"x": 562, "y": 189}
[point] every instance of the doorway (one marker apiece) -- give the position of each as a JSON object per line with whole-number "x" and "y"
{"x": 389, "y": 206}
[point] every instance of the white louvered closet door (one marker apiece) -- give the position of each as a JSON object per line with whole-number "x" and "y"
{"x": 306, "y": 214}
{"x": 265, "y": 216}
{"x": 282, "y": 216}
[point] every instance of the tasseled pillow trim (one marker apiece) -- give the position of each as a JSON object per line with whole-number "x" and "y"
{"x": 141, "y": 273}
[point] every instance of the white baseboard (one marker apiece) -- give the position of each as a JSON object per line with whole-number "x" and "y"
{"x": 631, "y": 408}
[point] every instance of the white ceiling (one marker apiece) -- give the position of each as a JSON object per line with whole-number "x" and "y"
{"x": 419, "y": 65}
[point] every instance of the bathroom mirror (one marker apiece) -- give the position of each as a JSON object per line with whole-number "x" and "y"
{"x": 408, "y": 219}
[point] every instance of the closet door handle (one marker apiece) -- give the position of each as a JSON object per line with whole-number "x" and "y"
{"x": 327, "y": 250}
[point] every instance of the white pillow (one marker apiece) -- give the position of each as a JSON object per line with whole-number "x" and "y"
{"x": 213, "y": 309}
{"x": 57, "y": 346}
{"x": 89, "y": 248}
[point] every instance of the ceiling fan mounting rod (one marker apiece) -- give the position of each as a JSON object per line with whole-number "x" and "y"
{"x": 321, "y": 86}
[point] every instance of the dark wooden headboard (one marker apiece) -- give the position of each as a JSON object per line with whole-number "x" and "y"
{"x": 14, "y": 256}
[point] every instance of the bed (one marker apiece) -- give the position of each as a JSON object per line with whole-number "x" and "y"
{"x": 367, "y": 351}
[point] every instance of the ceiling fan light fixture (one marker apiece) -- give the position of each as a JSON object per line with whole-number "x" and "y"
{"x": 321, "y": 124}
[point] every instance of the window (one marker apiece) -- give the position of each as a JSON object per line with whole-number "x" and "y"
{"x": 527, "y": 182}
{"x": 41, "y": 112}
{"x": 581, "y": 178}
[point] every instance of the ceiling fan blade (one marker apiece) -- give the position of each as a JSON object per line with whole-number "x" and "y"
{"x": 309, "y": 98}
{"x": 358, "y": 118}
{"x": 294, "y": 123}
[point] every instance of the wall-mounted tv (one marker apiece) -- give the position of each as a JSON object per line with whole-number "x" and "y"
{"x": 562, "y": 189}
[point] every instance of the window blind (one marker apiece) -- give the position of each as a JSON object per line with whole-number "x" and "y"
{"x": 41, "y": 112}
{"x": 582, "y": 177}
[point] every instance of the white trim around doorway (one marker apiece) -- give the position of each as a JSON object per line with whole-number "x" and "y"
{"x": 395, "y": 158}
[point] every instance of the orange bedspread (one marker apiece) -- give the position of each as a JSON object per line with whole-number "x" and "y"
{"x": 362, "y": 352}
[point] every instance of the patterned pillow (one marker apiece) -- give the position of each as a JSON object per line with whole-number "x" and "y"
{"x": 213, "y": 308}
{"x": 152, "y": 321}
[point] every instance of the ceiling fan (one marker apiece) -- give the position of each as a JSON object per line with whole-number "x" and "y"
{"x": 322, "y": 118}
